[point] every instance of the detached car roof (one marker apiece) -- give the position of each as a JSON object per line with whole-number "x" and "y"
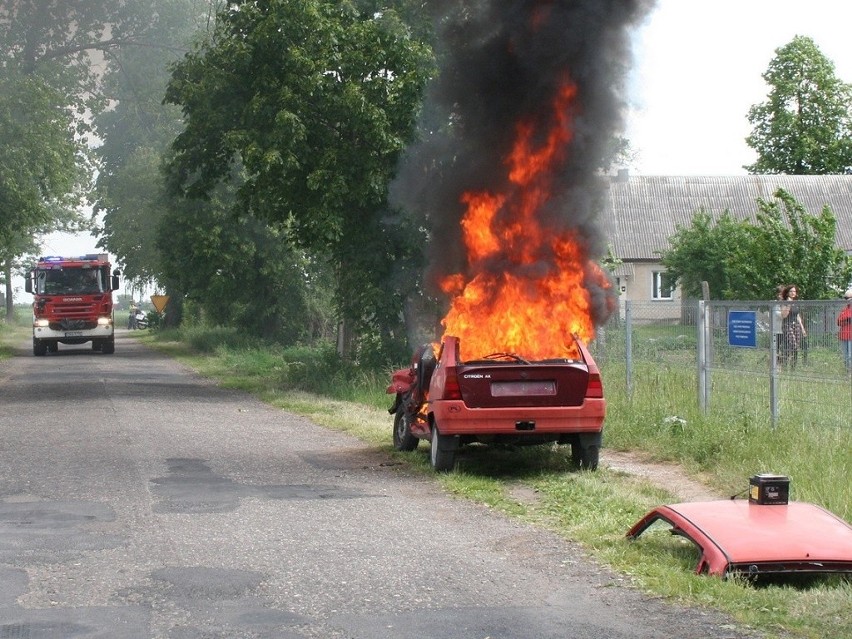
{"x": 739, "y": 536}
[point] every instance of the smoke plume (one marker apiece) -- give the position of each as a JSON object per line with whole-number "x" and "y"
{"x": 502, "y": 61}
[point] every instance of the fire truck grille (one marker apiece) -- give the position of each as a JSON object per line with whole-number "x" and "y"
{"x": 73, "y": 325}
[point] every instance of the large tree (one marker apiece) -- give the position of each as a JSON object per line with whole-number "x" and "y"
{"x": 136, "y": 130}
{"x": 306, "y": 106}
{"x": 52, "y": 61}
{"x": 805, "y": 125}
{"x": 743, "y": 260}
{"x": 242, "y": 272}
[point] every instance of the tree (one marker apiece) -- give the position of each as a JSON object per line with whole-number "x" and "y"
{"x": 241, "y": 272}
{"x": 741, "y": 260}
{"x": 306, "y": 107}
{"x": 39, "y": 174}
{"x": 137, "y": 129}
{"x": 702, "y": 253}
{"x": 51, "y": 61}
{"x": 804, "y": 127}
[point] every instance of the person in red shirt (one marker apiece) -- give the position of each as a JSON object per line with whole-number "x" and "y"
{"x": 844, "y": 333}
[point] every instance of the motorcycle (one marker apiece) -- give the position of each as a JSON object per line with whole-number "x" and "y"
{"x": 138, "y": 320}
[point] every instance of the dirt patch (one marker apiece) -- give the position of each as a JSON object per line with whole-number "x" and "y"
{"x": 669, "y": 477}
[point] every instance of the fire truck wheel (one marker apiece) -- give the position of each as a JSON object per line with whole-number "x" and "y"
{"x": 53, "y": 347}
{"x": 402, "y": 437}
{"x": 39, "y": 347}
{"x": 443, "y": 453}
{"x": 108, "y": 346}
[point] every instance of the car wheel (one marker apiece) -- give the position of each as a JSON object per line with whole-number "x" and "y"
{"x": 53, "y": 347}
{"x": 39, "y": 347}
{"x": 443, "y": 453}
{"x": 108, "y": 346}
{"x": 586, "y": 458}
{"x": 402, "y": 437}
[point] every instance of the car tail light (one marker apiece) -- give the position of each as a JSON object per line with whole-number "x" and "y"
{"x": 451, "y": 384}
{"x": 595, "y": 386}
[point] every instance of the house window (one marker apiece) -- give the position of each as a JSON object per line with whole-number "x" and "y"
{"x": 662, "y": 286}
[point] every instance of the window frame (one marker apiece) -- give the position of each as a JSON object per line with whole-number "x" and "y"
{"x": 659, "y": 283}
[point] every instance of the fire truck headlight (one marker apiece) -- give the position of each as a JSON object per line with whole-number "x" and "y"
{"x": 104, "y": 321}
{"x": 41, "y": 323}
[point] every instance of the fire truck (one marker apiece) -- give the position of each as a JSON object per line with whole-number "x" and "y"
{"x": 72, "y": 302}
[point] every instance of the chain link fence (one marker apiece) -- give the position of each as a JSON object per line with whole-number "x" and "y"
{"x": 736, "y": 354}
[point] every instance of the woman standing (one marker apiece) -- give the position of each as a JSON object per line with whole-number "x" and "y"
{"x": 794, "y": 327}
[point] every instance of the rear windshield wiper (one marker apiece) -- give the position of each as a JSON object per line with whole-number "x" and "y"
{"x": 511, "y": 356}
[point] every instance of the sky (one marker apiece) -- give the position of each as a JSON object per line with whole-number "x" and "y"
{"x": 697, "y": 69}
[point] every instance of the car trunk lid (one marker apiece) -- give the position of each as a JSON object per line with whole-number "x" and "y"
{"x": 494, "y": 384}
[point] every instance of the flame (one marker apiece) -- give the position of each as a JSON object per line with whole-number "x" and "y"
{"x": 525, "y": 287}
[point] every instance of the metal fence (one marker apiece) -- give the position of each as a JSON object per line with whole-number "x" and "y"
{"x": 736, "y": 355}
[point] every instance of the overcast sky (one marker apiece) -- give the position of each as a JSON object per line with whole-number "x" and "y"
{"x": 697, "y": 70}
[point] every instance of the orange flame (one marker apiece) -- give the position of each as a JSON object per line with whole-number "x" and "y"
{"x": 534, "y": 306}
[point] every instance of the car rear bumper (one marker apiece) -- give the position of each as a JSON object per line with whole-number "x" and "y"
{"x": 454, "y": 418}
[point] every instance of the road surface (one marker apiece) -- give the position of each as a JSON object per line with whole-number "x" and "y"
{"x": 138, "y": 500}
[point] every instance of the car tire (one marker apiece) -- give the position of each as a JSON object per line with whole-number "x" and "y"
{"x": 443, "y": 453}
{"x": 586, "y": 458}
{"x": 108, "y": 346}
{"x": 402, "y": 437}
{"x": 39, "y": 347}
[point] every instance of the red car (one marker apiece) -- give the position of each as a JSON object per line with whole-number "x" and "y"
{"x": 500, "y": 398}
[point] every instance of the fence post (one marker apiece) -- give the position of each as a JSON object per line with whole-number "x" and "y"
{"x": 702, "y": 356}
{"x": 774, "y": 329}
{"x": 628, "y": 346}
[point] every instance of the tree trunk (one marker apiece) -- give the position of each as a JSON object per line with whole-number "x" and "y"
{"x": 10, "y": 302}
{"x": 344, "y": 340}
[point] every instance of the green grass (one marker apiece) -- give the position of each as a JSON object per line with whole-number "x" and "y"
{"x": 12, "y": 333}
{"x": 540, "y": 485}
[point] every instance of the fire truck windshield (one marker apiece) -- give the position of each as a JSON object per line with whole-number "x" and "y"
{"x": 65, "y": 281}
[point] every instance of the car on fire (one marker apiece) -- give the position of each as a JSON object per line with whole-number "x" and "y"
{"x": 499, "y": 398}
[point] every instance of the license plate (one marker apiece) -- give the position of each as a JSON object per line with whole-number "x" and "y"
{"x": 73, "y": 333}
{"x": 529, "y": 388}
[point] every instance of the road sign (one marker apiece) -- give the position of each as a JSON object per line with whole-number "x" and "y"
{"x": 159, "y": 302}
{"x": 742, "y": 328}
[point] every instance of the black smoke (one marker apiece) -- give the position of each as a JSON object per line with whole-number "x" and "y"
{"x": 499, "y": 61}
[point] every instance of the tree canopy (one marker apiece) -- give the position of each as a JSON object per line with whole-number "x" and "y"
{"x": 805, "y": 125}
{"x": 305, "y": 107}
{"x": 744, "y": 260}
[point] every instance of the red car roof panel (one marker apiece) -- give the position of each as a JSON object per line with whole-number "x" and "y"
{"x": 740, "y": 536}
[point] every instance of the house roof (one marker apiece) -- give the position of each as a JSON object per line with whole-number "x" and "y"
{"x": 641, "y": 213}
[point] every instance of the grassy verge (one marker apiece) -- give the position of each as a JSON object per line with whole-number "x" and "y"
{"x": 11, "y": 334}
{"x": 541, "y": 486}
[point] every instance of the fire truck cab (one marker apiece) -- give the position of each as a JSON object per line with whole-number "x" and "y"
{"x": 72, "y": 302}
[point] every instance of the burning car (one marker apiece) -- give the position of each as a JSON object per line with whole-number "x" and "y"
{"x": 498, "y": 398}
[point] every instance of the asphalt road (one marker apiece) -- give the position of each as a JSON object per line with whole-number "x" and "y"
{"x": 140, "y": 500}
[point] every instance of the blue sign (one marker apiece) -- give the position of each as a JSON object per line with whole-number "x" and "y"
{"x": 742, "y": 328}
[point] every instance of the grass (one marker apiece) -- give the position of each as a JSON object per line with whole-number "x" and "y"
{"x": 541, "y": 486}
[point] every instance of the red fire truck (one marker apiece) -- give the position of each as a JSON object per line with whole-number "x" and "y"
{"x": 72, "y": 302}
